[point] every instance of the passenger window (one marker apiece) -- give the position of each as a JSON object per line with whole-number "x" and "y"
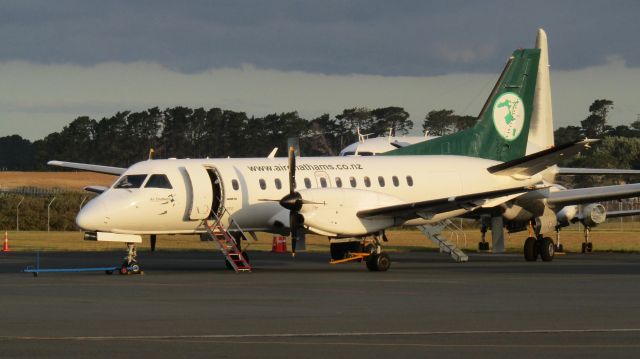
{"x": 158, "y": 181}
{"x": 353, "y": 182}
{"x": 323, "y": 182}
{"x": 381, "y": 181}
{"x": 395, "y": 181}
{"x": 367, "y": 181}
{"x": 131, "y": 181}
{"x": 410, "y": 181}
{"x": 307, "y": 183}
{"x": 234, "y": 184}
{"x": 338, "y": 182}
{"x": 278, "y": 183}
{"x": 263, "y": 184}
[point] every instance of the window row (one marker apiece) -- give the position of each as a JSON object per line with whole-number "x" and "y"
{"x": 353, "y": 182}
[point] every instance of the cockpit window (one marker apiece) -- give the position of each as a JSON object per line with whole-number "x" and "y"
{"x": 131, "y": 181}
{"x": 158, "y": 181}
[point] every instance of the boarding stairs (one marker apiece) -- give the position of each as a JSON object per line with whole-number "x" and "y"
{"x": 227, "y": 244}
{"x": 446, "y": 245}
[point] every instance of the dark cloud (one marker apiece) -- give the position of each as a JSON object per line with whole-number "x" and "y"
{"x": 330, "y": 36}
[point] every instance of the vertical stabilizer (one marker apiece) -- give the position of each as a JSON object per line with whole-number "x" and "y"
{"x": 541, "y": 129}
{"x": 502, "y": 130}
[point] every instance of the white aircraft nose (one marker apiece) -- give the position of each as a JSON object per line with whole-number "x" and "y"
{"x": 91, "y": 217}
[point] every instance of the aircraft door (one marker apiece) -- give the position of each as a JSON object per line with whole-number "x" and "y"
{"x": 199, "y": 192}
{"x": 322, "y": 179}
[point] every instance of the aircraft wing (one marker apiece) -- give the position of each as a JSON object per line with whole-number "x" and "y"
{"x": 593, "y": 194}
{"x": 537, "y": 162}
{"x": 399, "y": 144}
{"x": 441, "y": 205}
{"x": 595, "y": 171}
{"x": 95, "y": 189}
{"x": 90, "y": 168}
{"x": 618, "y": 214}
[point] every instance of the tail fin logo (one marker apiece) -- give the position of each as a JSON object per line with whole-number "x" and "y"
{"x": 508, "y": 115}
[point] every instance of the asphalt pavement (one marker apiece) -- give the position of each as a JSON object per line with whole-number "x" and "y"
{"x": 188, "y": 305}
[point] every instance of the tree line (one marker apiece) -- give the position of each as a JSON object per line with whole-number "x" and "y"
{"x": 182, "y": 132}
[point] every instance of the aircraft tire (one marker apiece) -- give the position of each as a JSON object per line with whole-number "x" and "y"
{"x": 372, "y": 263}
{"x": 530, "y": 249}
{"x": 547, "y": 249}
{"x": 383, "y": 262}
{"x": 584, "y": 247}
{"x": 590, "y": 247}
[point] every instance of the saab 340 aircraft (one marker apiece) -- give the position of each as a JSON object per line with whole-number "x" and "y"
{"x": 344, "y": 197}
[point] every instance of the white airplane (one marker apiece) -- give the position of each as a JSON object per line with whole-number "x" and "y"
{"x": 568, "y": 205}
{"x": 480, "y": 168}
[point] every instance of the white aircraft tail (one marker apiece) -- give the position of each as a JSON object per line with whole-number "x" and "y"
{"x": 541, "y": 127}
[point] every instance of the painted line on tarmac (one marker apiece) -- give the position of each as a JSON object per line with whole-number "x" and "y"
{"x": 326, "y": 334}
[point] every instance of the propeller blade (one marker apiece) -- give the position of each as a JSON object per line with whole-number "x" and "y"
{"x": 293, "y": 223}
{"x": 292, "y": 170}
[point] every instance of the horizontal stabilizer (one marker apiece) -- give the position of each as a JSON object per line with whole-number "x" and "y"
{"x": 441, "y": 205}
{"x": 595, "y": 171}
{"x": 90, "y": 168}
{"x": 537, "y": 162}
{"x": 593, "y": 194}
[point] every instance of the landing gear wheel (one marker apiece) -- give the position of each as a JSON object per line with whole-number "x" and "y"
{"x": 547, "y": 249}
{"x": 584, "y": 247}
{"x": 130, "y": 268}
{"x": 559, "y": 248}
{"x": 378, "y": 262}
{"x": 530, "y": 249}
{"x": 589, "y": 247}
{"x": 483, "y": 246}
{"x": 338, "y": 251}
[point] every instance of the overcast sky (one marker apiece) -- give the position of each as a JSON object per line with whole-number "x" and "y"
{"x": 63, "y": 59}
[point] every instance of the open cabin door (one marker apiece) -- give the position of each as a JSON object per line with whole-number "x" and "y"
{"x": 200, "y": 192}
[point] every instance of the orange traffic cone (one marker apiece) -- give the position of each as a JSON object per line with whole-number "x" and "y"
{"x": 279, "y": 244}
{"x": 6, "y": 242}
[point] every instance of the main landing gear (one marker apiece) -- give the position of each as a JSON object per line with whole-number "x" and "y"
{"x": 587, "y": 245}
{"x": 559, "y": 247}
{"x": 483, "y": 245}
{"x": 539, "y": 246}
{"x": 369, "y": 251}
{"x": 130, "y": 264}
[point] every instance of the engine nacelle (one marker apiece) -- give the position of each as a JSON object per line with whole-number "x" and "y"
{"x": 334, "y": 211}
{"x": 593, "y": 214}
{"x": 567, "y": 215}
{"x": 546, "y": 222}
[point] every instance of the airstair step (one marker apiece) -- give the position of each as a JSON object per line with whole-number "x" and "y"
{"x": 434, "y": 233}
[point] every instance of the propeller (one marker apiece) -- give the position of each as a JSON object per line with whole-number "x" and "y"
{"x": 293, "y": 201}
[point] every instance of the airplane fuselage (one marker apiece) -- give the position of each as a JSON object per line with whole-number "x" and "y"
{"x": 146, "y": 203}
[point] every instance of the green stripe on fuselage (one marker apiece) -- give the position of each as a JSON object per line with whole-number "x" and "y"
{"x": 502, "y": 130}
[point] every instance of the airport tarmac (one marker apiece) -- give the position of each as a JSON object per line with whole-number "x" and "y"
{"x": 188, "y": 305}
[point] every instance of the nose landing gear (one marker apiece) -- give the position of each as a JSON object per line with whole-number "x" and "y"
{"x": 130, "y": 264}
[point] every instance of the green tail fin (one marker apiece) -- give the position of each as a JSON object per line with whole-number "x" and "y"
{"x": 503, "y": 125}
